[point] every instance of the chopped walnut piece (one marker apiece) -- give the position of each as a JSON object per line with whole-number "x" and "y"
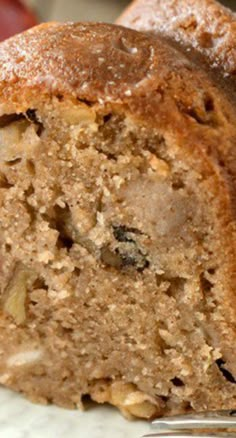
{"x": 23, "y": 358}
{"x": 77, "y": 114}
{"x": 18, "y": 139}
{"x": 131, "y": 402}
{"x": 15, "y": 293}
{"x": 159, "y": 166}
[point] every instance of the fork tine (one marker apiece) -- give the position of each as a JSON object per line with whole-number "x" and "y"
{"x": 206, "y": 420}
{"x": 159, "y": 434}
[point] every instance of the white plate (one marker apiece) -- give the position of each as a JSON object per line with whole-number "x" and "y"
{"x": 22, "y": 419}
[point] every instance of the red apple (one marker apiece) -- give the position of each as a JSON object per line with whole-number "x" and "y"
{"x": 14, "y": 18}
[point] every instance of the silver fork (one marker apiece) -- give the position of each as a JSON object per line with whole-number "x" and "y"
{"x": 183, "y": 426}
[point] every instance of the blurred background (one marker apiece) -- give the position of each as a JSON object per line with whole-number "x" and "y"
{"x": 18, "y": 15}
{"x": 101, "y": 10}
{"x": 105, "y": 10}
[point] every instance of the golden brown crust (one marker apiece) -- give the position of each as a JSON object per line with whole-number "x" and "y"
{"x": 206, "y": 25}
{"x": 54, "y": 58}
{"x": 85, "y": 61}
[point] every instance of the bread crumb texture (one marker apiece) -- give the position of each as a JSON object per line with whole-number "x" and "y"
{"x": 117, "y": 223}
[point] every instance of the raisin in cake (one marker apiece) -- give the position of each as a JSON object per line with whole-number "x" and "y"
{"x": 117, "y": 220}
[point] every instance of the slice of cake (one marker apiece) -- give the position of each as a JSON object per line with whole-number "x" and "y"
{"x": 117, "y": 220}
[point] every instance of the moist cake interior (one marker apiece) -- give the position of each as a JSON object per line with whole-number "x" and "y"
{"x": 111, "y": 240}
